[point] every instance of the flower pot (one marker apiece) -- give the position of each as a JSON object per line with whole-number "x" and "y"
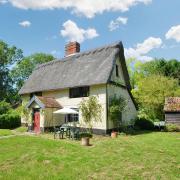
{"x": 114, "y": 134}
{"x": 85, "y": 141}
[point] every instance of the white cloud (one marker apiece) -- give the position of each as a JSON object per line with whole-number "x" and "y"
{"x": 174, "y": 33}
{"x": 25, "y": 23}
{"x": 114, "y": 24}
{"x": 73, "y": 33}
{"x": 88, "y": 8}
{"x": 3, "y": 1}
{"x": 141, "y": 49}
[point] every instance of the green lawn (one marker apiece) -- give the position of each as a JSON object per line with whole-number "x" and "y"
{"x": 5, "y": 132}
{"x": 21, "y": 129}
{"x": 145, "y": 156}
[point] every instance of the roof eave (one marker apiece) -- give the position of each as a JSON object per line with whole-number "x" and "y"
{"x": 45, "y": 90}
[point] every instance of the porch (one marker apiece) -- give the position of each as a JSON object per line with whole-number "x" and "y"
{"x": 43, "y": 114}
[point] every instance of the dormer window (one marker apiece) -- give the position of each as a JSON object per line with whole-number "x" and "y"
{"x": 117, "y": 71}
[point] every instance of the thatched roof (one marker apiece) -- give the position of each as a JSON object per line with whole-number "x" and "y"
{"x": 44, "y": 102}
{"x": 172, "y": 104}
{"x": 82, "y": 69}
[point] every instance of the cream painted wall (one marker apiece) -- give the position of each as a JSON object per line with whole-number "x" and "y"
{"x": 130, "y": 112}
{"x": 42, "y": 118}
{"x": 62, "y": 96}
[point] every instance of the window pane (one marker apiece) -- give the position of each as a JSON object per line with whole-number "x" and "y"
{"x": 73, "y": 117}
{"x": 117, "y": 71}
{"x": 79, "y": 92}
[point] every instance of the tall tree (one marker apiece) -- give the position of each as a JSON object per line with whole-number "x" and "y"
{"x": 151, "y": 92}
{"x": 135, "y": 72}
{"x": 24, "y": 68}
{"x": 170, "y": 68}
{"x": 8, "y": 57}
{"x": 139, "y": 70}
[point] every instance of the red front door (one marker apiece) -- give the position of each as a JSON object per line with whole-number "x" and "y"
{"x": 36, "y": 122}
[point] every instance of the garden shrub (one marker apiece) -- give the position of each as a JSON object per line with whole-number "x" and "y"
{"x": 127, "y": 129}
{"x": 172, "y": 128}
{"x": 4, "y": 107}
{"x": 144, "y": 124}
{"x": 85, "y": 134}
{"x": 9, "y": 118}
{"x": 9, "y": 121}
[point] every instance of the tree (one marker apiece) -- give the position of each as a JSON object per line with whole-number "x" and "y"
{"x": 139, "y": 70}
{"x": 151, "y": 92}
{"x": 9, "y": 118}
{"x": 163, "y": 67}
{"x": 25, "y": 114}
{"x": 4, "y": 107}
{"x": 24, "y": 68}
{"x": 8, "y": 57}
{"x": 91, "y": 111}
{"x": 135, "y": 72}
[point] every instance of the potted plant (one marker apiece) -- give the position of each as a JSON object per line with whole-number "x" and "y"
{"x": 85, "y": 138}
{"x": 91, "y": 112}
{"x": 116, "y": 107}
{"x": 114, "y": 134}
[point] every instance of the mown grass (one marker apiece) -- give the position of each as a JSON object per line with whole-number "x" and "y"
{"x": 21, "y": 129}
{"x": 5, "y": 132}
{"x": 144, "y": 156}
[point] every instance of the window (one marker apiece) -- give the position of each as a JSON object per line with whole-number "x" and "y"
{"x": 73, "y": 117}
{"x": 117, "y": 71}
{"x": 35, "y": 94}
{"x": 79, "y": 92}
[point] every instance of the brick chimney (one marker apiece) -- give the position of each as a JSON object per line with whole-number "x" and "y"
{"x": 72, "y": 48}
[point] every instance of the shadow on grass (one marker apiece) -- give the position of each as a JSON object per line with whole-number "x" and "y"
{"x": 138, "y": 132}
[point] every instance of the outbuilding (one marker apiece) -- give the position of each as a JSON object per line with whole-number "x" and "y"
{"x": 172, "y": 110}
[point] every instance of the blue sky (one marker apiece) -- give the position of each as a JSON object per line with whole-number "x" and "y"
{"x": 147, "y": 28}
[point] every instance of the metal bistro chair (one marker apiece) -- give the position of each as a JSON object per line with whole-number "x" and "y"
{"x": 58, "y": 132}
{"x": 65, "y": 129}
{"x": 74, "y": 133}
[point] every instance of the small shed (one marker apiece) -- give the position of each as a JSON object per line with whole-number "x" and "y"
{"x": 172, "y": 110}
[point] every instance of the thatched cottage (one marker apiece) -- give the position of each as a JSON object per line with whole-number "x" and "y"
{"x": 100, "y": 72}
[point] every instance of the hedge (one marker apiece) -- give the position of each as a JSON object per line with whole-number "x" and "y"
{"x": 9, "y": 121}
{"x": 144, "y": 124}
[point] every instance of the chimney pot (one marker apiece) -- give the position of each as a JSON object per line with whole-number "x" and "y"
{"x": 72, "y": 48}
